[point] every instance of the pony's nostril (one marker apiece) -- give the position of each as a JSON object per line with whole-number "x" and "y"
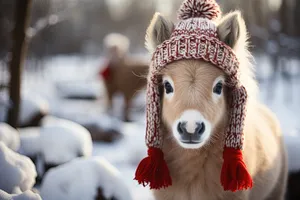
{"x": 181, "y": 127}
{"x": 200, "y": 128}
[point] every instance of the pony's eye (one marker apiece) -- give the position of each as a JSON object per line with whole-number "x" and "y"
{"x": 218, "y": 88}
{"x": 168, "y": 87}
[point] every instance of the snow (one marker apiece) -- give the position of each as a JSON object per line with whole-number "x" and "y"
{"x": 130, "y": 150}
{"x": 62, "y": 140}
{"x": 30, "y": 141}
{"x": 292, "y": 141}
{"x": 102, "y": 121}
{"x": 9, "y": 136}
{"x": 27, "y": 195}
{"x": 4, "y": 106}
{"x": 58, "y": 141}
{"x": 17, "y": 172}
{"x": 90, "y": 174}
{"x": 125, "y": 155}
{"x": 31, "y": 105}
{"x": 80, "y": 89}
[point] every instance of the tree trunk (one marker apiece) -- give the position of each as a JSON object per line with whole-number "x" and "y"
{"x": 22, "y": 18}
{"x": 297, "y": 17}
{"x": 283, "y": 16}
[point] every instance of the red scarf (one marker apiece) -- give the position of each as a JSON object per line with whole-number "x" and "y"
{"x": 105, "y": 72}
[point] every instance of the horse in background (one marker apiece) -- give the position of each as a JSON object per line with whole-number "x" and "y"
{"x": 122, "y": 73}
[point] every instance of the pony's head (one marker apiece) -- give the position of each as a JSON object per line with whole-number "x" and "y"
{"x": 116, "y": 45}
{"x": 195, "y": 99}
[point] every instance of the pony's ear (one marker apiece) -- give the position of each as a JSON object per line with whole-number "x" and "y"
{"x": 232, "y": 28}
{"x": 159, "y": 30}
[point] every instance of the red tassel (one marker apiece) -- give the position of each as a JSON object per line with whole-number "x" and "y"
{"x": 234, "y": 174}
{"x": 153, "y": 170}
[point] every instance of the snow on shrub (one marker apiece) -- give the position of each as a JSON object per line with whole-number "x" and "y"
{"x": 63, "y": 140}
{"x": 80, "y": 90}
{"x": 32, "y": 105}
{"x": 27, "y": 195}
{"x": 30, "y": 141}
{"x": 102, "y": 127}
{"x": 103, "y": 122}
{"x": 82, "y": 178}
{"x": 9, "y": 136}
{"x": 17, "y": 172}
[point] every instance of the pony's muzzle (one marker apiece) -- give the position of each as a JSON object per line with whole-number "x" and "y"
{"x": 190, "y": 132}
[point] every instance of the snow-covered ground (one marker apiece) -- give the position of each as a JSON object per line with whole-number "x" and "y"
{"x": 125, "y": 154}
{"x": 83, "y": 89}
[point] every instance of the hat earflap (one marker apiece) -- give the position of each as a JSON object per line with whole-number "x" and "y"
{"x": 234, "y": 174}
{"x": 153, "y": 169}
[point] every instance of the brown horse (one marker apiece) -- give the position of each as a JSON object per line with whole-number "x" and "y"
{"x": 123, "y": 74}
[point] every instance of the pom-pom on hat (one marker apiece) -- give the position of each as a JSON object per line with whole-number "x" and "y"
{"x": 207, "y": 9}
{"x": 195, "y": 37}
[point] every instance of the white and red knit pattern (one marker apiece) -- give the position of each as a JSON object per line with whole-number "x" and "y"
{"x": 196, "y": 39}
{"x": 208, "y": 9}
{"x": 198, "y": 26}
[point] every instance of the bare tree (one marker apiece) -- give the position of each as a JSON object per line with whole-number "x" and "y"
{"x": 22, "y": 18}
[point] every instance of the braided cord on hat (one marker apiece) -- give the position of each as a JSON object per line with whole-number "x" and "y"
{"x": 153, "y": 138}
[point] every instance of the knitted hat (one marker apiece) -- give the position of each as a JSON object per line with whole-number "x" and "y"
{"x": 195, "y": 37}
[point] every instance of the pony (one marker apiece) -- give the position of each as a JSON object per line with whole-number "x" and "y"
{"x": 195, "y": 99}
{"x": 122, "y": 74}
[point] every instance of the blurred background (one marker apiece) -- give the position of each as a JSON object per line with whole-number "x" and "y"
{"x": 54, "y": 81}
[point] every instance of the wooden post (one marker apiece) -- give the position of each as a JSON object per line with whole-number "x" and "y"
{"x": 19, "y": 49}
